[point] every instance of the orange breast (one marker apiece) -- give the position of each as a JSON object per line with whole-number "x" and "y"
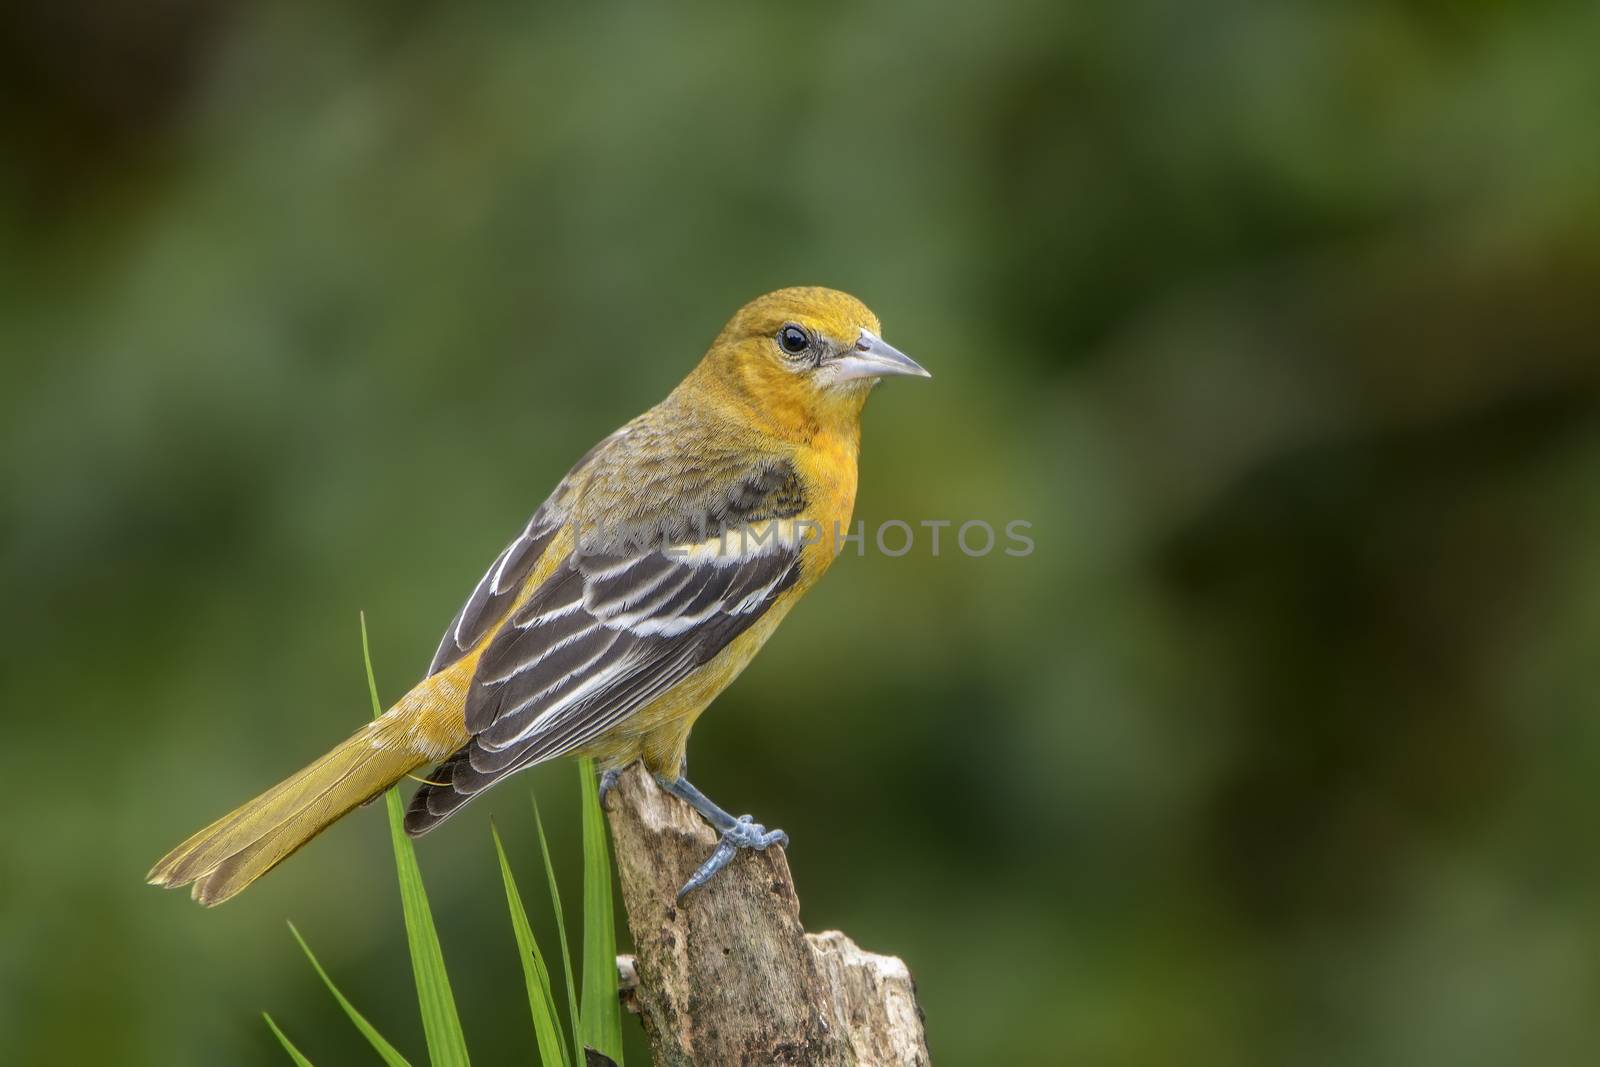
{"x": 828, "y": 470}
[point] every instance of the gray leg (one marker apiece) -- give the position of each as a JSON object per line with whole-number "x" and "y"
{"x": 743, "y": 832}
{"x": 608, "y": 782}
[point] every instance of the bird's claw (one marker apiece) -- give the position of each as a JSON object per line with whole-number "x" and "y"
{"x": 744, "y": 833}
{"x": 608, "y": 782}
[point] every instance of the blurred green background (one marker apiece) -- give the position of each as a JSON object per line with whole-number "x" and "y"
{"x": 1278, "y": 321}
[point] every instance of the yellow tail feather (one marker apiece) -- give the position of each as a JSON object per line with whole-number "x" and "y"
{"x": 251, "y": 840}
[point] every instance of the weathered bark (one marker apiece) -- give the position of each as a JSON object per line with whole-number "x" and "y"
{"x": 728, "y": 975}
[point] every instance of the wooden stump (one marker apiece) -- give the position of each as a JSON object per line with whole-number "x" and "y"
{"x": 728, "y": 975}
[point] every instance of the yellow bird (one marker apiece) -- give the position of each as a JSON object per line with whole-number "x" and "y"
{"x": 635, "y": 595}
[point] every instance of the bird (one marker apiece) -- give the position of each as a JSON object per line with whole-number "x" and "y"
{"x": 636, "y": 593}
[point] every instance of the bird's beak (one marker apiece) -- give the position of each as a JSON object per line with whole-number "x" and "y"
{"x": 873, "y": 357}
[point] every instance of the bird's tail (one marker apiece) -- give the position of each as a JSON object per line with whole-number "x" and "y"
{"x": 245, "y": 844}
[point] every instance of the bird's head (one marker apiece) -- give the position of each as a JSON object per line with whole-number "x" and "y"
{"x": 804, "y": 355}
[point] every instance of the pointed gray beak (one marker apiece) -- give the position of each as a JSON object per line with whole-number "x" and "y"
{"x": 873, "y": 357}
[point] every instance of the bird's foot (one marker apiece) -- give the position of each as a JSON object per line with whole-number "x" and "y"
{"x": 744, "y": 833}
{"x": 608, "y": 782}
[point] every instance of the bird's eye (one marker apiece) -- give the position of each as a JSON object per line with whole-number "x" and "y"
{"x": 793, "y": 340}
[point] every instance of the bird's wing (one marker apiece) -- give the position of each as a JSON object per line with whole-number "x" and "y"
{"x": 609, "y": 633}
{"x": 497, "y": 590}
{"x": 611, "y": 630}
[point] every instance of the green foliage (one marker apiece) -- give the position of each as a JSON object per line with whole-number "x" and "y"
{"x": 597, "y": 1023}
{"x": 561, "y": 928}
{"x": 288, "y": 1046}
{"x": 447, "y": 1045}
{"x": 541, "y": 1002}
{"x": 601, "y": 1025}
{"x": 387, "y": 1051}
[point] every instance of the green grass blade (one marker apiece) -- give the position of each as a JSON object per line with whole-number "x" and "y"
{"x": 601, "y": 1014}
{"x": 561, "y": 929}
{"x": 390, "y": 1055}
{"x": 447, "y": 1045}
{"x": 288, "y": 1046}
{"x": 541, "y": 1001}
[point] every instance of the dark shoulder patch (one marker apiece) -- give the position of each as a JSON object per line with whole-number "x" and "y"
{"x": 703, "y": 511}
{"x": 772, "y": 492}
